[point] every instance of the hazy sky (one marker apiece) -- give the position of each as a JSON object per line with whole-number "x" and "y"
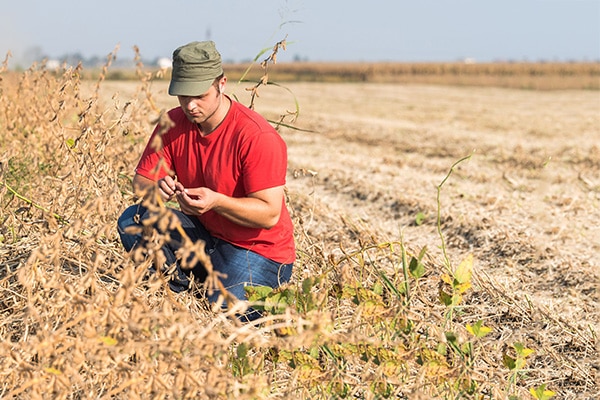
{"x": 318, "y": 30}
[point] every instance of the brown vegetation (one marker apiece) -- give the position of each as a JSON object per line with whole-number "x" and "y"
{"x": 483, "y": 288}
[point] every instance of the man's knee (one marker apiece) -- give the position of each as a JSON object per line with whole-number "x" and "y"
{"x": 131, "y": 216}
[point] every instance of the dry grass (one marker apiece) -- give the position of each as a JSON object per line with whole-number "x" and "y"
{"x": 80, "y": 319}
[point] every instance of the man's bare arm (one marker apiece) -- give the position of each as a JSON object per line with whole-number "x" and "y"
{"x": 260, "y": 209}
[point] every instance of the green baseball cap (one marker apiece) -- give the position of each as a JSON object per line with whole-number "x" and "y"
{"x": 195, "y": 67}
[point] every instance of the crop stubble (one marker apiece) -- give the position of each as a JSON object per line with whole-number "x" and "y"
{"x": 526, "y": 203}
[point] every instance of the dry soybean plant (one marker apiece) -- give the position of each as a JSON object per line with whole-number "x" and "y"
{"x": 79, "y": 318}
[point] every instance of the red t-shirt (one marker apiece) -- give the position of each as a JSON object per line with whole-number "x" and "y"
{"x": 243, "y": 155}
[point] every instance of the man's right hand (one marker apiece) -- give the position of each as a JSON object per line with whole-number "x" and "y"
{"x": 166, "y": 188}
{"x": 143, "y": 187}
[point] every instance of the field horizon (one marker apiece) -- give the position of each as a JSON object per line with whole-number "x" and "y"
{"x": 549, "y": 75}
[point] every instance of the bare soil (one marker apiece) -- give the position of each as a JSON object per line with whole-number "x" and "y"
{"x": 526, "y": 203}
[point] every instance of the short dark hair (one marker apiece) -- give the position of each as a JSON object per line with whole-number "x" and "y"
{"x": 218, "y": 78}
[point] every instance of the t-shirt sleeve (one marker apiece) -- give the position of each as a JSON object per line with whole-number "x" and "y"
{"x": 155, "y": 162}
{"x": 265, "y": 162}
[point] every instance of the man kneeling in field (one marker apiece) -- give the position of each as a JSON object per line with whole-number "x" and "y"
{"x": 226, "y": 167}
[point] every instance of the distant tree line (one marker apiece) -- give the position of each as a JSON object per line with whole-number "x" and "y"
{"x": 35, "y": 54}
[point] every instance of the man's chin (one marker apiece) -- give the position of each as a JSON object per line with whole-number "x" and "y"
{"x": 197, "y": 119}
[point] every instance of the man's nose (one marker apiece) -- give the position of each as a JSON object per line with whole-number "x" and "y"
{"x": 190, "y": 104}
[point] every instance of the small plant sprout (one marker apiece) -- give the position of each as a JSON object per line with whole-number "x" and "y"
{"x": 515, "y": 360}
{"x": 478, "y": 329}
{"x": 540, "y": 393}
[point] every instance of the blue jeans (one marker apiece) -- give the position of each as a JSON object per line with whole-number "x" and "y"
{"x": 242, "y": 267}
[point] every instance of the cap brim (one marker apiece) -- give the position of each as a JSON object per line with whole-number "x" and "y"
{"x": 187, "y": 88}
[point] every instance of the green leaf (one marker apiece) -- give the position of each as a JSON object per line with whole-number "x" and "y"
{"x": 257, "y": 293}
{"x": 109, "y": 341}
{"x": 70, "y": 143}
{"x": 522, "y": 351}
{"x": 508, "y": 361}
{"x": 274, "y": 303}
{"x": 451, "y": 338}
{"x": 540, "y": 393}
{"x": 307, "y": 285}
{"x": 455, "y": 299}
{"x": 378, "y": 288}
{"x": 53, "y": 371}
{"x": 242, "y": 350}
{"x": 314, "y": 352}
{"x": 442, "y": 349}
{"x": 445, "y": 298}
{"x": 464, "y": 271}
{"x": 420, "y": 218}
{"x": 478, "y": 329}
{"x": 416, "y": 268}
{"x": 348, "y": 292}
{"x": 520, "y": 363}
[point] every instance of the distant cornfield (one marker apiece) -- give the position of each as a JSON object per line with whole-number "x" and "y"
{"x": 533, "y": 76}
{"x": 539, "y": 76}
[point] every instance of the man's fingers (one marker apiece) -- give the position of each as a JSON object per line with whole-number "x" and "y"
{"x": 166, "y": 187}
{"x": 169, "y": 181}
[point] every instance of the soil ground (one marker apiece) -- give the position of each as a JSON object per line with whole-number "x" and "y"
{"x": 526, "y": 203}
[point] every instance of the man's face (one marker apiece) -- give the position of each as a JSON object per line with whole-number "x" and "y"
{"x": 199, "y": 109}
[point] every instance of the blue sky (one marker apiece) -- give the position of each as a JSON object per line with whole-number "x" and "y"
{"x": 317, "y": 30}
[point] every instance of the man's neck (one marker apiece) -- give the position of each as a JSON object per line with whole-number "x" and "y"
{"x": 215, "y": 120}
